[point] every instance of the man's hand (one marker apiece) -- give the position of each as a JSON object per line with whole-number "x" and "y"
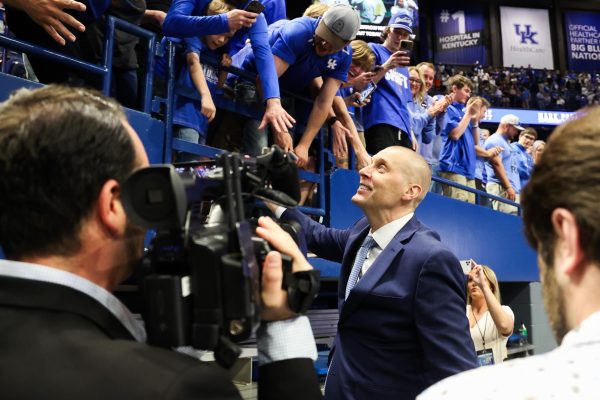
{"x": 302, "y": 152}
{"x": 208, "y": 108}
{"x": 363, "y": 159}
{"x": 280, "y": 122}
{"x": 511, "y": 194}
{"x": 494, "y": 151}
{"x": 154, "y": 17}
{"x": 340, "y": 147}
{"x": 274, "y": 298}
{"x": 238, "y": 19}
{"x": 399, "y": 58}
{"x": 50, "y": 15}
{"x": 362, "y": 80}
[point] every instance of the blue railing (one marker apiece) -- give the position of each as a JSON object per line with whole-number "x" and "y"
{"x": 104, "y": 70}
{"x": 478, "y": 193}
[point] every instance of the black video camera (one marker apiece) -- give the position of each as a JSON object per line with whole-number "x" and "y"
{"x": 200, "y": 280}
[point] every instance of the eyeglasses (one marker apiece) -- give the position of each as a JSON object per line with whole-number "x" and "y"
{"x": 415, "y": 80}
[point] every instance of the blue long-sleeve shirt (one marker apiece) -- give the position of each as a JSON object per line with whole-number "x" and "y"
{"x": 186, "y": 18}
{"x": 421, "y": 124}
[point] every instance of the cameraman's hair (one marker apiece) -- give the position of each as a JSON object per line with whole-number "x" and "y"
{"x": 362, "y": 55}
{"x": 459, "y": 81}
{"x": 316, "y": 10}
{"x": 216, "y": 7}
{"x": 484, "y": 102}
{"x": 59, "y": 146}
{"x": 567, "y": 176}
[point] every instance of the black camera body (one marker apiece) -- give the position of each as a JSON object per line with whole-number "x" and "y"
{"x": 200, "y": 280}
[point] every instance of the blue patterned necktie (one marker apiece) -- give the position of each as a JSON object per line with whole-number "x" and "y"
{"x": 361, "y": 256}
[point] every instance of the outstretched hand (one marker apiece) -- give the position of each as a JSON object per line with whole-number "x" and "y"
{"x": 51, "y": 15}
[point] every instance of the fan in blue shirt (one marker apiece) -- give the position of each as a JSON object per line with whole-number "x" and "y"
{"x": 458, "y": 156}
{"x": 386, "y": 118}
{"x": 521, "y": 150}
{"x": 186, "y": 19}
{"x": 306, "y": 48}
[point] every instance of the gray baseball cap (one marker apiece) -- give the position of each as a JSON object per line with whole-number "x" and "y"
{"x": 339, "y": 25}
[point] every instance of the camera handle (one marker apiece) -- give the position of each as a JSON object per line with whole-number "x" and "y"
{"x": 302, "y": 286}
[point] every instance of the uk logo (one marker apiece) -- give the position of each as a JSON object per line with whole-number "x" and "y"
{"x": 526, "y": 35}
{"x": 332, "y": 63}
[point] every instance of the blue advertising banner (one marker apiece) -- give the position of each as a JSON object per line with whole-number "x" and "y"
{"x": 459, "y": 32}
{"x": 528, "y": 117}
{"x": 583, "y": 40}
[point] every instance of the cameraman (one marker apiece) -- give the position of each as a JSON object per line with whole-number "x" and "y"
{"x": 65, "y": 153}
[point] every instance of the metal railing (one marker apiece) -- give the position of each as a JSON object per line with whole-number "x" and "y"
{"x": 478, "y": 193}
{"x": 104, "y": 69}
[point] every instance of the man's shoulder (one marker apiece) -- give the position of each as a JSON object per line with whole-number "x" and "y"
{"x": 426, "y": 239}
{"x": 526, "y": 378}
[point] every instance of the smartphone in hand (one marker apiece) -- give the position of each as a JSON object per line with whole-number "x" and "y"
{"x": 255, "y": 7}
{"x": 407, "y": 46}
{"x": 365, "y": 94}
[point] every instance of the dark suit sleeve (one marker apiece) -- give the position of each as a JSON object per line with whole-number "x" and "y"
{"x": 325, "y": 242}
{"x": 442, "y": 324}
{"x": 202, "y": 381}
{"x": 288, "y": 379}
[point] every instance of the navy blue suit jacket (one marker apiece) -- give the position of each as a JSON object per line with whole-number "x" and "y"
{"x": 403, "y": 326}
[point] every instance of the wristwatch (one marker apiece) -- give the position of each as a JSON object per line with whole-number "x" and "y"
{"x": 331, "y": 121}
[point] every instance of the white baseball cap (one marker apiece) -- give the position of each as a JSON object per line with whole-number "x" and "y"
{"x": 513, "y": 120}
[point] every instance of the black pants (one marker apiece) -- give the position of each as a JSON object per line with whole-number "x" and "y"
{"x": 381, "y": 136}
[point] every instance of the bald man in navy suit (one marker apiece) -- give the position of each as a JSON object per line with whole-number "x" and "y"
{"x": 401, "y": 293}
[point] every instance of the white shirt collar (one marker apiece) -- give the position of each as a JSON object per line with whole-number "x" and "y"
{"x": 384, "y": 235}
{"x": 588, "y": 331}
{"x": 22, "y": 270}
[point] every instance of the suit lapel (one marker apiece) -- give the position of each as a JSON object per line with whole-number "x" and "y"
{"x": 379, "y": 267}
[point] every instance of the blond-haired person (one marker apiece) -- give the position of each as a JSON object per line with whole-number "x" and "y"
{"x": 491, "y": 323}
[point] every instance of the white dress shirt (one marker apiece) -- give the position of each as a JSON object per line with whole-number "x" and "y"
{"x": 383, "y": 236}
{"x": 568, "y": 372}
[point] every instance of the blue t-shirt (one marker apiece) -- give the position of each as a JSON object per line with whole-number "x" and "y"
{"x": 187, "y": 111}
{"x": 458, "y": 156}
{"x": 186, "y": 19}
{"x": 389, "y": 102}
{"x": 509, "y": 161}
{"x": 524, "y": 163}
{"x": 293, "y": 43}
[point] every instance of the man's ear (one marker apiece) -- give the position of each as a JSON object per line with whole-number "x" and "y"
{"x": 110, "y": 211}
{"x": 413, "y": 192}
{"x": 568, "y": 253}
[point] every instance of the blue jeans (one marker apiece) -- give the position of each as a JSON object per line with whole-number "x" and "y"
{"x": 189, "y": 135}
{"x": 253, "y": 139}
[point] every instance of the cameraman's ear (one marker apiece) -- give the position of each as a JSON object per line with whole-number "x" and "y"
{"x": 109, "y": 208}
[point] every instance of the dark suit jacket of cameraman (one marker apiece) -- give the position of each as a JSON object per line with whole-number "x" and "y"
{"x": 59, "y": 343}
